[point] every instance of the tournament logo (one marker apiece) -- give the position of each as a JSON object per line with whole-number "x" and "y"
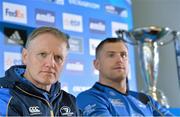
{"x": 72, "y": 22}
{"x": 14, "y": 13}
{"x": 15, "y": 36}
{"x": 44, "y": 17}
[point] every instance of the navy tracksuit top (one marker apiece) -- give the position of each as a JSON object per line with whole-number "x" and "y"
{"x": 19, "y": 97}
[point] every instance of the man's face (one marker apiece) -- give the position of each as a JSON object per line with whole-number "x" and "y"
{"x": 44, "y": 59}
{"x": 112, "y": 62}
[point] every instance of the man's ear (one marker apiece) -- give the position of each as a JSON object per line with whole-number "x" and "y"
{"x": 96, "y": 64}
{"x": 24, "y": 56}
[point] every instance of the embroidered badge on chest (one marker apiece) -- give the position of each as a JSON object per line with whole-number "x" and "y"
{"x": 116, "y": 102}
{"x": 66, "y": 111}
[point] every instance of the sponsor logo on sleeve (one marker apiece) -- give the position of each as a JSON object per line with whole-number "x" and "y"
{"x": 97, "y": 26}
{"x": 116, "y": 26}
{"x": 89, "y": 109}
{"x": 14, "y": 13}
{"x": 72, "y": 22}
{"x": 44, "y": 17}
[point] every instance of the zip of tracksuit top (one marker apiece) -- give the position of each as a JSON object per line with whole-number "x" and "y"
{"x": 19, "y": 97}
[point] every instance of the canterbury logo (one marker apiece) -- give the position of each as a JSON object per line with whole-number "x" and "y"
{"x": 34, "y": 109}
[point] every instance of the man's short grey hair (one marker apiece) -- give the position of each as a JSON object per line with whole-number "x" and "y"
{"x": 51, "y": 30}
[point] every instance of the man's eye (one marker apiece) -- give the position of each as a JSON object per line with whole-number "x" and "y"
{"x": 111, "y": 55}
{"x": 58, "y": 59}
{"x": 43, "y": 55}
{"x": 124, "y": 55}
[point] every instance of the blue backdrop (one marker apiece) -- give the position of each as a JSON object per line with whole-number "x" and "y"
{"x": 86, "y": 21}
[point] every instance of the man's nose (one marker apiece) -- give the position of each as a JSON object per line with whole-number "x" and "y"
{"x": 119, "y": 58}
{"x": 50, "y": 61}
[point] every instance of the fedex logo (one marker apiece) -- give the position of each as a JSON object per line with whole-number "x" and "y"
{"x": 14, "y": 13}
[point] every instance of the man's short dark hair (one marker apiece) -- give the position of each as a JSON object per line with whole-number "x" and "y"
{"x": 107, "y": 40}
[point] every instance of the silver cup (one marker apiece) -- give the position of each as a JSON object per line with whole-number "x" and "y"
{"x": 148, "y": 39}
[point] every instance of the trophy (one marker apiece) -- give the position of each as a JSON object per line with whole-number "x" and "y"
{"x": 148, "y": 40}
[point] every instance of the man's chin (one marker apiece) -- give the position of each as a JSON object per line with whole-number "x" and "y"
{"x": 50, "y": 80}
{"x": 120, "y": 77}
